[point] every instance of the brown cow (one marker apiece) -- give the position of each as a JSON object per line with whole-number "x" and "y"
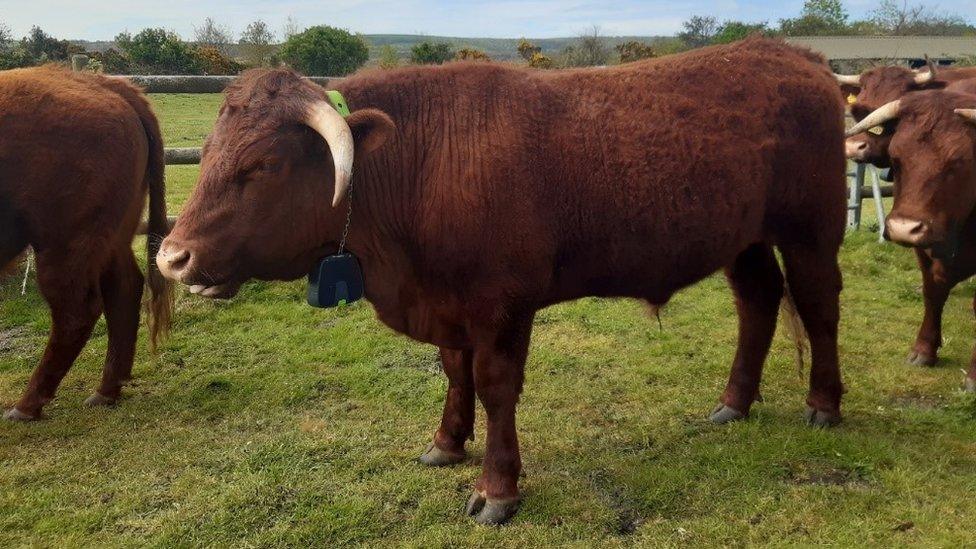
{"x": 878, "y": 86}
{"x": 938, "y": 278}
{"x": 933, "y": 155}
{"x": 78, "y": 154}
{"x": 503, "y": 190}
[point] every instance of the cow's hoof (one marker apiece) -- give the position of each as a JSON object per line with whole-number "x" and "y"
{"x": 969, "y": 385}
{"x": 816, "y": 418}
{"x": 14, "y": 414}
{"x": 916, "y": 358}
{"x": 490, "y": 512}
{"x": 724, "y": 414}
{"x": 98, "y": 399}
{"x": 435, "y": 457}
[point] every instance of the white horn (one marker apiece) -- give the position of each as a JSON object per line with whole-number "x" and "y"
{"x": 969, "y": 114}
{"x": 324, "y": 119}
{"x": 923, "y": 78}
{"x": 888, "y": 111}
{"x": 848, "y": 79}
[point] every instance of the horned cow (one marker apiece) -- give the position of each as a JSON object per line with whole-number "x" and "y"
{"x": 932, "y": 152}
{"x": 484, "y": 192}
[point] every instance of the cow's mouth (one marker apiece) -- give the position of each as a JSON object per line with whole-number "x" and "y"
{"x": 225, "y": 290}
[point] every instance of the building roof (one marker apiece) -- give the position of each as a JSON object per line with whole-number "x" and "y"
{"x": 889, "y": 47}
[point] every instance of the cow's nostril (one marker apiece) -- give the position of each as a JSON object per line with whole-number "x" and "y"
{"x": 917, "y": 229}
{"x": 179, "y": 260}
{"x": 172, "y": 264}
{"x": 862, "y": 145}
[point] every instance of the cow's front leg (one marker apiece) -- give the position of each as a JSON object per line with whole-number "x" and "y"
{"x": 499, "y": 364}
{"x": 457, "y": 421}
{"x": 935, "y": 291}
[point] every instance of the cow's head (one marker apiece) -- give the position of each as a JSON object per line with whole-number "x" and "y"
{"x": 872, "y": 89}
{"x": 933, "y": 158}
{"x": 273, "y": 174}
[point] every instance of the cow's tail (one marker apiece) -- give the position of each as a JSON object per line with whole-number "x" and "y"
{"x": 158, "y": 305}
{"x": 795, "y": 330}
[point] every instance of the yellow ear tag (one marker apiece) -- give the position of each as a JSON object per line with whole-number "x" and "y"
{"x": 877, "y": 130}
{"x": 851, "y": 99}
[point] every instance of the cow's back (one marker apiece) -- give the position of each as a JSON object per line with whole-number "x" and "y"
{"x": 632, "y": 180}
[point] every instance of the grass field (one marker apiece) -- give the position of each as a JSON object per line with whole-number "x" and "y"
{"x": 264, "y": 422}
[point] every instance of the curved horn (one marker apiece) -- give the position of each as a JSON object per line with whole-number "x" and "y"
{"x": 324, "y": 119}
{"x": 968, "y": 114}
{"x": 848, "y": 79}
{"x": 888, "y": 111}
{"x": 922, "y": 78}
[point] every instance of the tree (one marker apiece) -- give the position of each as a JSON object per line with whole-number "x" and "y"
{"x": 699, "y": 31}
{"x": 389, "y": 58}
{"x": 256, "y": 43}
{"x": 819, "y": 17}
{"x": 41, "y": 47}
{"x": 212, "y": 34}
{"x": 730, "y": 31}
{"x": 325, "y": 51}
{"x": 428, "y": 53}
{"x": 527, "y": 49}
{"x": 291, "y": 28}
{"x": 471, "y": 54}
{"x": 904, "y": 20}
{"x": 589, "y": 50}
{"x": 634, "y": 50}
{"x": 158, "y": 51}
{"x": 6, "y": 37}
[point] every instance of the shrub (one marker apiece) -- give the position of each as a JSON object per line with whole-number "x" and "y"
{"x": 471, "y": 54}
{"x": 113, "y": 61}
{"x": 527, "y": 49}
{"x": 158, "y": 51}
{"x": 42, "y": 48}
{"x": 634, "y": 50}
{"x": 212, "y": 61}
{"x": 541, "y": 61}
{"x": 325, "y": 51}
{"x": 427, "y": 53}
{"x": 389, "y": 59}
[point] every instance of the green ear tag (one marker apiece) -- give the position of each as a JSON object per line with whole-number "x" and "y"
{"x": 338, "y": 101}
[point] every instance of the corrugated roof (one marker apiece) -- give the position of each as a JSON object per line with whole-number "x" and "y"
{"x": 889, "y": 47}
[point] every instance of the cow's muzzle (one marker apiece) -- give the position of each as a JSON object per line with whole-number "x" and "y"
{"x": 907, "y": 231}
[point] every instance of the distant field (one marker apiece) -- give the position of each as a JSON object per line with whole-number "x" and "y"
{"x": 264, "y": 422}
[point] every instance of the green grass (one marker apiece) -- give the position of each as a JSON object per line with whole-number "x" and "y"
{"x": 264, "y": 422}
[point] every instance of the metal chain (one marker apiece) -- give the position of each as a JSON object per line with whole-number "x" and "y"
{"x": 345, "y": 230}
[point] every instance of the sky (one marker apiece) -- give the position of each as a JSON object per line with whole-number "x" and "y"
{"x": 102, "y": 19}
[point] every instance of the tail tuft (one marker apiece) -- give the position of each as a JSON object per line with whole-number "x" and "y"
{"x": 794, "y": 327}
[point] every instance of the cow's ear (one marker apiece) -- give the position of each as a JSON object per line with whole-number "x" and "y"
{"x": 371, "y": 128}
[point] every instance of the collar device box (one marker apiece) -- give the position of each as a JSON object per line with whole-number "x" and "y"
{"x": 336, "y": 281}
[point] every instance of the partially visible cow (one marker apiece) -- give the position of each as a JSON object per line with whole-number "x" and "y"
{"x": 933, "y": 156}
{"x": 878, "y": 86}
{"x": 78, "y": 154}
{"x": 502, "y": 190}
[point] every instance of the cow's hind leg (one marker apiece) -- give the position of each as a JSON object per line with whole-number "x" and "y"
{"x": 499, "y": 365}
{"x": 815, "y": 282}
{"x": 758, "y": 286}
{"x": 121, "y": 286}
{"x": 457, "y": 421}
{"x": 73, "y": 296}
